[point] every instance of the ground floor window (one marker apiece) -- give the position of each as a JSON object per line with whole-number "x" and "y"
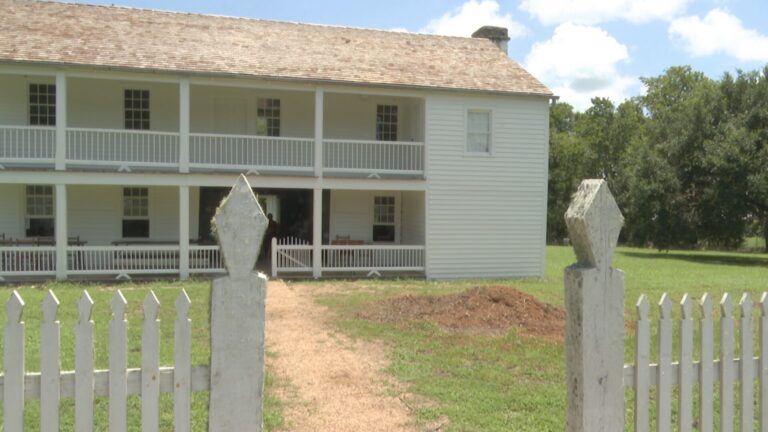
{"x": 135, "y": 212}
{"x": 384, "y": 219}
{"x": 39, "y": 208}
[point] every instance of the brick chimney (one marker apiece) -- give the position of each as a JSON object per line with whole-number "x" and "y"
{"x": 497, "y": 35}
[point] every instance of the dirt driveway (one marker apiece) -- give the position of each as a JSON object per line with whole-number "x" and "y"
{"x": 334, "y": 383}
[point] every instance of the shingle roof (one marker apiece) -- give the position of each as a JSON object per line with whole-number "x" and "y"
{"x": 139, "y": 39}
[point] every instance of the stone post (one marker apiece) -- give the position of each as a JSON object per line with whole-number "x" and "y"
{"x": 594, "y": 299}
{"x": 237, "y": 316}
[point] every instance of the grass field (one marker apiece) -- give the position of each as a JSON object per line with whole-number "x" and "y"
{"x": 516, "y": 382}
{"x": 478, "y": 383}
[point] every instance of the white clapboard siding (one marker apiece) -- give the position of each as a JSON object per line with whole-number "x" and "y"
{"x": 50, "y": 366}
{"x": 679, "y": 379}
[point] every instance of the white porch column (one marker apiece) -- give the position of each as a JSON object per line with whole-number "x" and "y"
{"x": 61, "y": 121}
{"x": 319, "y": 97}
{"x": 317, "y": 232}
{"x": 184, "y": 126}
{"x": 61, "y": 231}
{"x": 184, "y": 232}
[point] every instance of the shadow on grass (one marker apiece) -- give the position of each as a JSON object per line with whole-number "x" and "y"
{"x": 720, "y": 259}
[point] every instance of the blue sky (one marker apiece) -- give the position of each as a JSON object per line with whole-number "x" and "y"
{"x": 579, "y": 48}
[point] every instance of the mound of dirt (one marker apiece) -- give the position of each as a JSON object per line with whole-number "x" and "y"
{"x": 481, "y": 310}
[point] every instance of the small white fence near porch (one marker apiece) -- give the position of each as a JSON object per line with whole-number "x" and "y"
{"x": 596, "y": 375}
{"x": 293, "y": 255}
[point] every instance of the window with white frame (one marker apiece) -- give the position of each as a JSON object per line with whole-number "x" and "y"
{"x": 386, "y": 122}
{"x": 42, "y": 104}
{"x": 384, "y": 219}
{"x": 136, "y": 103}
{"x": 268, "y": 117}
{"x": 135, "y": 212}
{"x": 479, "y": 131}
{"x": 39, "y": 220}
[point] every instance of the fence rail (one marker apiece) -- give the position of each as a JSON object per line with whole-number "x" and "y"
{"x": 27, "y": 144}
{"x": 356, "y": 156}
{"x": 122, "y": 147}
{"x": 240, "y": 152}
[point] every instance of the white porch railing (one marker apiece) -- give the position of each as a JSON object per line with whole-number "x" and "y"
{"x": 380, "y": 157}
{"x": 25, "y": 144}
{"x": 244, "y": 152}
{"x": 296, "y": 257}
{"x": 205, "y": 259}
{"x": 373, "y": 258}
{"x": 123, "y": 259}
{"x": 122, "y": 147}
{"x": 27, "y": 260}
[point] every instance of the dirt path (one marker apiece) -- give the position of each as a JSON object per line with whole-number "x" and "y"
{"x": 337, "y": 382}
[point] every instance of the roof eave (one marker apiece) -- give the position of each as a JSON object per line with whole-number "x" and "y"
{"x": 179, "y": 72}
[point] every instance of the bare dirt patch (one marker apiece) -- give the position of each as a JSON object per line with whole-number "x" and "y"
{"x": 482, "y": 310}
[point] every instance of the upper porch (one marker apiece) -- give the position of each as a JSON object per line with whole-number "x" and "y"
{"x": 132, "y": 122}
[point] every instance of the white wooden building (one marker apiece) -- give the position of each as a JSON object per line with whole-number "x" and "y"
{"x": 382, "y": 151}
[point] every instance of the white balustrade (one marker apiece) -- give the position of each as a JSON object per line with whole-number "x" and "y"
{"x": 205, "y": 259}
{"x": 27, "y": 260}
{"x": 244, "y": 152}
{"x": 122, "y": 147}
{"x": 27, "y": 144}
{"x": 380, "y": 157}
{"x": 373, "y": 258}
{"x": 144, "y": 259}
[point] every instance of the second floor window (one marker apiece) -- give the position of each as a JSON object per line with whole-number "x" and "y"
{"x": 268, "y": 117}
{"x": 42, "y": 104}
{"x": 386, "y": 122}
{"x": 478, "y": 131}
{"x": 136, "y": 109}
{"x": 135, "y": 212}
{"x": 39, "y": 211}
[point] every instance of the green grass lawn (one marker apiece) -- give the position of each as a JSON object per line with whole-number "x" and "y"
{"x": 516, "y": 382}
{"x": 135, "y": 293}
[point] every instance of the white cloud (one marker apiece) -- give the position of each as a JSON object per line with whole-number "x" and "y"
{"x": 719, "y": 33}
{"x": 580, "y": 62}
{"x": 550, "y": 12}
{"x": 464, "y": 20}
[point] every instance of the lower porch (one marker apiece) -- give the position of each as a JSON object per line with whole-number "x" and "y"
{"x": 106, "y": 231}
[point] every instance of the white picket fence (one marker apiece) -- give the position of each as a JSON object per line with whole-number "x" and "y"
{"x": 85, "y": 382}
{"x": 291, "y": 255}
{"x": 685, "y": 386}
{"x": 677, "y": 379}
